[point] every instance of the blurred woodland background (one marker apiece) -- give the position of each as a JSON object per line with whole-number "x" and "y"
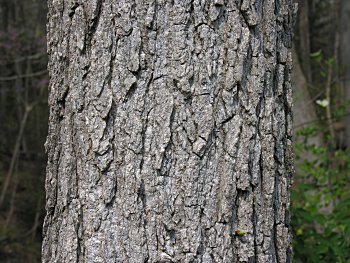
{"x": 321, "y": 189}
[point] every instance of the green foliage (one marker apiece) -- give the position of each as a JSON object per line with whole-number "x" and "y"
{"x": 320, "y": 202}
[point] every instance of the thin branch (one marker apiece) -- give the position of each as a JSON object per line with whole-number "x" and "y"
{"x": 19, "y": 59}
{"x": 314, "y": 121}
{"x": 38, "y": 73}
{"x": 15, "y": 152}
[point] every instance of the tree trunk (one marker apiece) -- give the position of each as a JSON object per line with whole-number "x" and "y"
{"x": 304, "y": 45}
{"x": 304, "y": 113}
{"x": 345, "y": 61}
{"x": 170, "y": 131}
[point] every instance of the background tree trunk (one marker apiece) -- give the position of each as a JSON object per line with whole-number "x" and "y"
{"x": 345, "y": 60}
{"x": 304, "y": 113}
{"x": 170, "y": 131}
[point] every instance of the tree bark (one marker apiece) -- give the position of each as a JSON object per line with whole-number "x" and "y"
{"x": 170, "y": 131}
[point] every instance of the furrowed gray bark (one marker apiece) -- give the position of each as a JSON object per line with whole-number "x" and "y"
{"x": 170, "y": 131}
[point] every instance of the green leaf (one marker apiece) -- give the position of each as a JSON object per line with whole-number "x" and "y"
{"x": 316, "y": 54}
{"x": 330, "y": 61}
{"x": 323, "y": 103}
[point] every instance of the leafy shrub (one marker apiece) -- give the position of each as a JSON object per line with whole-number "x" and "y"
{"x": 320, "y": 202}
